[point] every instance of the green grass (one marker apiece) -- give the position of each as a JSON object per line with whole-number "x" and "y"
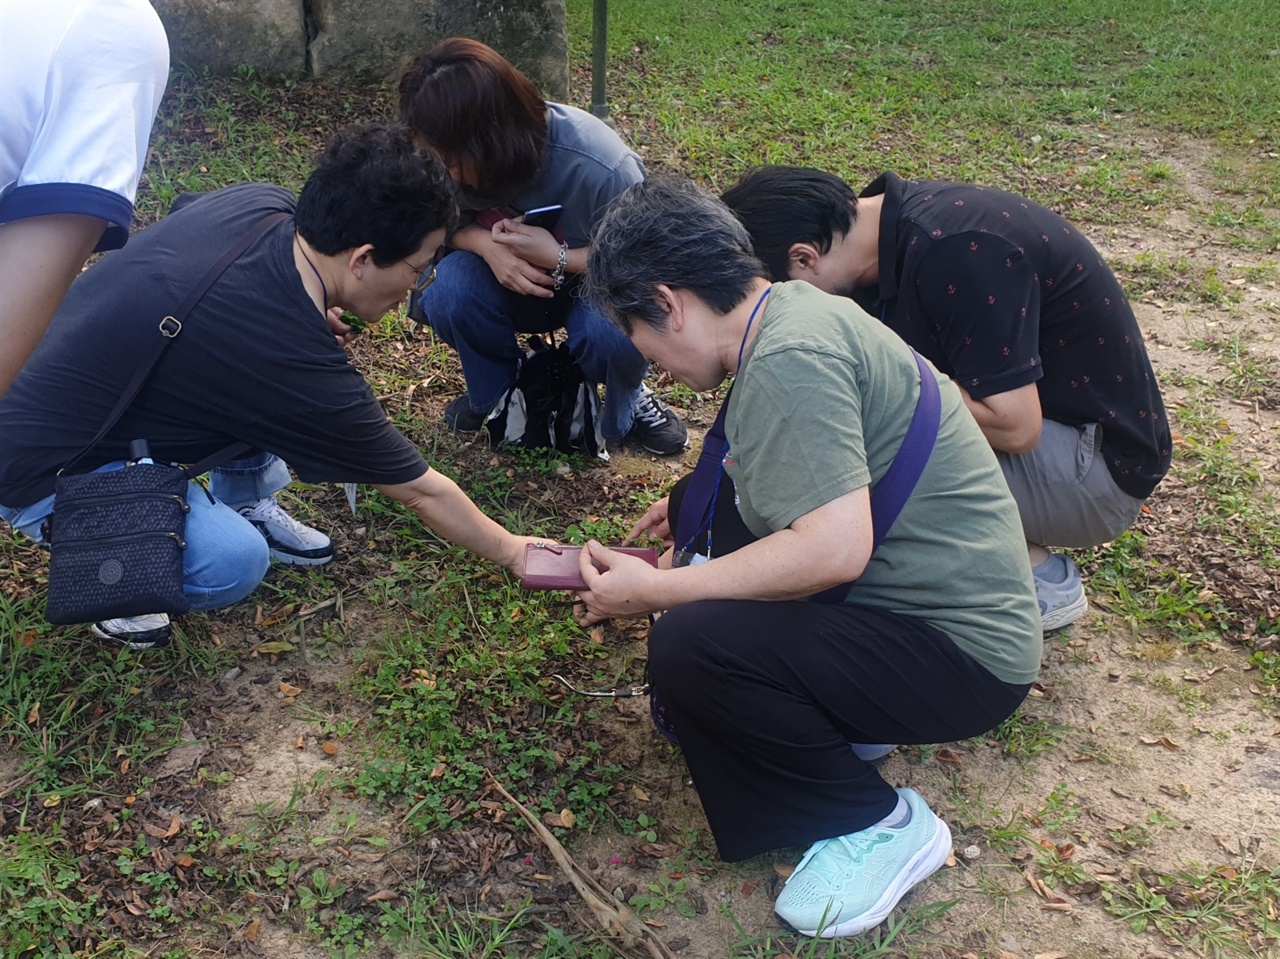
{"x": 1032, "y": 97}
{"x": 1229, "y": 910}
{"x": 1177, "y": 278}
{"x": 900, "y": 936}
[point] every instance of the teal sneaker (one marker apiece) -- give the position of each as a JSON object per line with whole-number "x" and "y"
{"x": 849, "y": 884}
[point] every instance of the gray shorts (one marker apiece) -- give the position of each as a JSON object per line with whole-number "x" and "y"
{"x": 1064, "y": 490}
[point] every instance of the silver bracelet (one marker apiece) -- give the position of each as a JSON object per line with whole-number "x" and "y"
{"x": 562, "y": 261}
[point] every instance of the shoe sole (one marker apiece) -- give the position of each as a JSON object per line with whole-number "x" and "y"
{"x": 120, "y": 643}
{"x": 922, "y": 865}
{"x": 1065, "y": 615}
{"x": 291, "y": 559}
{"x": 661, "y": 452}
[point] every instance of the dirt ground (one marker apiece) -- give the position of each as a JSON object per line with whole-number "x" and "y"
{"x": 1172, "y": 746}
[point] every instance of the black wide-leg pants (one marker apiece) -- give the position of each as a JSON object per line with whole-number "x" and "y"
{"x": 766, "y": 697}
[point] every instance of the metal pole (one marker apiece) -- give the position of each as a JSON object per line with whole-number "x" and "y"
{"x": 599, "y": 54}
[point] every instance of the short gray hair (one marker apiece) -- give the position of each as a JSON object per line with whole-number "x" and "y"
{"x": 668, "y": 231}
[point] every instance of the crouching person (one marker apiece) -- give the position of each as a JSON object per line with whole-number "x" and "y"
{"x": 259, "y": 359}
{"x": 809, "y": 616}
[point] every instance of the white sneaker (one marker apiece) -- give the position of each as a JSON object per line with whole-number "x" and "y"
{"x": 148, "y": 631}
{"x": 291, "y": 542}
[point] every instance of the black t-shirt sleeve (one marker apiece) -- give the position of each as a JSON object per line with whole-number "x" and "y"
{"x": 339, "y": 436}
{"x": 981, "y": 296}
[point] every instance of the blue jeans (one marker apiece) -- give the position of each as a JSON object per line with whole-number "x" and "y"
{"x": 479, "y": 317}
{"x": 226, "y": 556}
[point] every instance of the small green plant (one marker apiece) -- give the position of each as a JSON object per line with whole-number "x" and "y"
{"x": 1026, "y": 736}
{"x": 1142, "y": 833}
{"x": 320, "y": 891}
{"x": 1059, "y": 810}
{"x": 643, "y": 827}
{"x": 666, "y": 893}
{"x": 1057, "y": 867}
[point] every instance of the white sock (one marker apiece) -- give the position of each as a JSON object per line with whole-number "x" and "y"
{"x": 900, "y": 816}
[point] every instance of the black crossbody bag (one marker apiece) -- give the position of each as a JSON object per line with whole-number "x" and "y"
{"x": 116, "y": 539}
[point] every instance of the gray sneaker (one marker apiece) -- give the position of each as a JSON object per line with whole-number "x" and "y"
{"x": 291, "y": 542}
{"x": 872, "y": 752}
{"x": 1060, "y": 592}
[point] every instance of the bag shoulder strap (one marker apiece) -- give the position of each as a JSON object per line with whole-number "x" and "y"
{"x": 170, "y": 327}
{"x": 900, "y": 479}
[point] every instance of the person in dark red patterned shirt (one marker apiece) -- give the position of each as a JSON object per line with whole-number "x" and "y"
{"x": 1018, "y": 307}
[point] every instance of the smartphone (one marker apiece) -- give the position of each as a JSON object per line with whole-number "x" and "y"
{"x": 544, "y": 216}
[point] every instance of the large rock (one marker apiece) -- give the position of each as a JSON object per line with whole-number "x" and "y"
{"x": 363, "y": 41}
{"x": 531, "y": 35}
{"x": 221, "y": 35}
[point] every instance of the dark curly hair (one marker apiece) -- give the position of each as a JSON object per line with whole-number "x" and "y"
{"x": 373, "y": 184}
{"x": 476, "y": 110}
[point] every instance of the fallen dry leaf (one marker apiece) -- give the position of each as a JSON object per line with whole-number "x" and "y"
{"x": 251, "y": 930}
{"x": 330, "y": 747}
{"x": 33, "y": 715}
{"x": 948, "y": 757}
{"x": 273, "y": 647}
{"x": 747, "y": 888}
{"x": 1052, "y": 955}
{"x": 383, "y": 895}
{"x": 783, "y": 871}
{"x": 640, "y": 794}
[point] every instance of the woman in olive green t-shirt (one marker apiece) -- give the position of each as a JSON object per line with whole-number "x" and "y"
{"x": 938, "y": 637}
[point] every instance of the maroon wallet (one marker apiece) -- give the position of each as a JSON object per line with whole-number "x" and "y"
{"x": 556, "y": 567}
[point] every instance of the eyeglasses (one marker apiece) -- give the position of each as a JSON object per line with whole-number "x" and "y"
{"x": 425, "y": 276}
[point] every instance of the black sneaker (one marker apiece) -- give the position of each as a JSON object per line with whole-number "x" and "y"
{"x": 655, "y": 427}
{"x": 148, "y": 631}
{"x": 461, "y": 418}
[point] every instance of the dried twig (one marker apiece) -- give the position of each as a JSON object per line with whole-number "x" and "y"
{"x": 614, "y": 918}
